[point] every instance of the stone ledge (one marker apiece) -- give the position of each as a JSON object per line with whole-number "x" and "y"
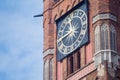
{"x": 47, "y": 52}
{"x": 104, "y": 16}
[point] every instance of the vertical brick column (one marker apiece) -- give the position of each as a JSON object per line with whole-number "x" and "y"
{"x": 48, "y": 25}
{"x": 83, "y": 56}
{"x": 48, "y": 34}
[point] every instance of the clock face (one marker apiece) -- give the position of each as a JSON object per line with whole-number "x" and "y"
{"x": 72, "y": 31}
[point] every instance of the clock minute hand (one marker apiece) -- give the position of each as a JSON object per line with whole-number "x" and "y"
{"x": 64, "y": 36}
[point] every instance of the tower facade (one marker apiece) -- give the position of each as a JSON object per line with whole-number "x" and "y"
{"x": 81, "y": 40}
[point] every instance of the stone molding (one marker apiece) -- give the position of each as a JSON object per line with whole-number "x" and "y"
{"x": 100, "y": 70}
{"x": 102, "y": 55}
{"x": 47, "y": 52}
{"x": 104, "y": 16}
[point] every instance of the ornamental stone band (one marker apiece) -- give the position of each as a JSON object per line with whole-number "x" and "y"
{"x": 47, "y": 52}
{"x": 104, "y": 16}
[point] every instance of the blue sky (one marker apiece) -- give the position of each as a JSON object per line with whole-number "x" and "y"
{"x": 21, "y": 40}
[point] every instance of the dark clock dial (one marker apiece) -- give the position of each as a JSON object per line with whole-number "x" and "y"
{"x": 71, "y": 31}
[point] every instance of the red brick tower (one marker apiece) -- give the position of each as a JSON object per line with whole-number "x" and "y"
{"x": 97, "y": 55}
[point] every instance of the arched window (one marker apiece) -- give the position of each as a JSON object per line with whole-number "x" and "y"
{"x": 51, "y": 69}
{"x": 46, "y": 70}
{"x": 101, "y": 43}
{"x": 105, "y": 43}
{"x": 97, "y": 38}
{"x": 112, "y": 38}
{"x": 104, "y": 36}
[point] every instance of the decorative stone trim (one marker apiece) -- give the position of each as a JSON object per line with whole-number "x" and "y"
{"x": 104, "y": 16}
{"x": 107, "y": 50}
{"x": 100, "y": 70}
{"x": 118, "y": 62}
{"x": 102, "y": 55}
{"x": 47, "y": 52}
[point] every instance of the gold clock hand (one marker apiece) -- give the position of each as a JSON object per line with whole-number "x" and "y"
{"x": 64, "y": 36}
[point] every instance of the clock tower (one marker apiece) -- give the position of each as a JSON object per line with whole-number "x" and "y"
{"x": 81, "y": 40}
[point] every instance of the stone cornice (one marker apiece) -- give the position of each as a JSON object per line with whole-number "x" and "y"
{"x": 47, "y": 52}
{"x": 104, "y": 16}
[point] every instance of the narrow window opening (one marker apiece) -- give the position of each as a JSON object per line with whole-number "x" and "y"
{"x": 71, "y": 64}
{"x": 78, "y": 60}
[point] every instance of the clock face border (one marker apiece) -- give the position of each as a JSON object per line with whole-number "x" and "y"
{"x": 83, "y": 6}
{"x": 81, "y": 15}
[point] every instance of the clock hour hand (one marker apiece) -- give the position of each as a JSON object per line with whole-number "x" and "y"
{"x": 64, "y": 36}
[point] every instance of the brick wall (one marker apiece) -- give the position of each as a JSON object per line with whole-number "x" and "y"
{"x": 54, "y": 10}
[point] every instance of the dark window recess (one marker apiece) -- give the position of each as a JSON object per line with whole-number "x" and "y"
{"x": 70, "y": 65}
{"x": 73, "y": 62}
{"x": 78, "y": 60}
{"x": 56, "y": 0}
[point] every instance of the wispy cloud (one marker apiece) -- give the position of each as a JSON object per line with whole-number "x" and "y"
{"x": 21, "y": 40}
